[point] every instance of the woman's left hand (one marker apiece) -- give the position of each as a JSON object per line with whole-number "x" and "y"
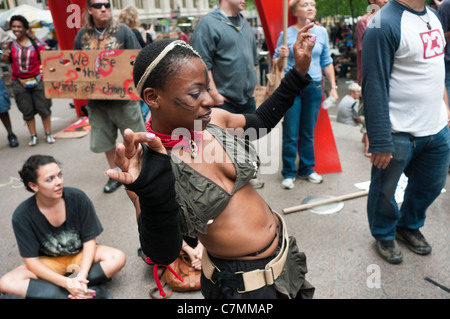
{"x": 128, "y": 156}
{"x": 283, "y": 51}
{"x": 303, "y": 48}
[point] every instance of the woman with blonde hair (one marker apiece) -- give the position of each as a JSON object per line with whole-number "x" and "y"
{"x": 300, "y": 120}
{"x": 130, "y": 16}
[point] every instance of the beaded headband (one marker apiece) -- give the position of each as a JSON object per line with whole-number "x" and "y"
{"x": 158, "y": 59}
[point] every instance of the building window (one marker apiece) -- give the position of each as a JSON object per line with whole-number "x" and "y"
{"x": 157, "y": 4}
{"x": 4, "y": 5}
{"x": 139, "y": 4}
{"x": 8, "y": 4}
{"x": 177, "y": 4}
{"x": 117, "y": 4}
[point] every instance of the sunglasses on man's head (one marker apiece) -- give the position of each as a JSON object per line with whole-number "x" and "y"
{"x": 99, "y": 5}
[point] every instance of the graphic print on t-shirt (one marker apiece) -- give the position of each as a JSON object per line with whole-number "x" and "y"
{"x": 62, "y": 243}
{"x": 433, "y": 44}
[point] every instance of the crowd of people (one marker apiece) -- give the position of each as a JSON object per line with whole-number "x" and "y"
{"x": 187, "y": 198}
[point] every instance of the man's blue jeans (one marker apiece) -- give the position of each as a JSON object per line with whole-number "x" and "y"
{"x": 298, "y": 131}
{"x": 425, "y": 161}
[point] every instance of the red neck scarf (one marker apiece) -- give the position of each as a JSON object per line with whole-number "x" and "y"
{"x": 178, "y": 140}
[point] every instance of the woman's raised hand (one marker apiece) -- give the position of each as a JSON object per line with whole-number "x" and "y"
{"x": 129, "y": 154}
{"x": 303, "y": 48}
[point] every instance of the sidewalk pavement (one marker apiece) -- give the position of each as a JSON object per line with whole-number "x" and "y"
{"x": 341, "y": 256}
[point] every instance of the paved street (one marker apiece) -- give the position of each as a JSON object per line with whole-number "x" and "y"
{"x": 342, "y": 260}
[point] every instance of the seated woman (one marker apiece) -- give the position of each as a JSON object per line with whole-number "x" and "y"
{"x": 191, "y": 172}
{"x": 55, "y": 230}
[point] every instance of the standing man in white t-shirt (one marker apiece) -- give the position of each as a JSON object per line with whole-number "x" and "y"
{"x": 407, "y": 121}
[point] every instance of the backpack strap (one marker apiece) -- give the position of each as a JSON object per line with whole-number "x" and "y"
{"x": 35, "y": 46}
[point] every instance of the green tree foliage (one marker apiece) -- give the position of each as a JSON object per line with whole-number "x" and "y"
{"x": 336, "y": 8}
{"x": 333, "y": 8}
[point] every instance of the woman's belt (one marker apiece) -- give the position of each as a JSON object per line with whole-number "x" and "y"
{"x": 258, "y": 278}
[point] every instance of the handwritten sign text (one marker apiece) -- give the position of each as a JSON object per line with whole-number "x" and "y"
{"x": 94, "y": 74}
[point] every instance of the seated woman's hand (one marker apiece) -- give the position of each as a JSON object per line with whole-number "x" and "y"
{"x": 78, "y": 288}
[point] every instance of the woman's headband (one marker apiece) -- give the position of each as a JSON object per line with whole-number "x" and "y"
{"x": 158, "y": 59}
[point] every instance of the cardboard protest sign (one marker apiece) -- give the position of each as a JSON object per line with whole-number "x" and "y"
{"x": 92, "y": 74}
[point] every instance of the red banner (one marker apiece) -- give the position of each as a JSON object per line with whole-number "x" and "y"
{"x": 67, "y": 18}
{"x": 271, "y": 16}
